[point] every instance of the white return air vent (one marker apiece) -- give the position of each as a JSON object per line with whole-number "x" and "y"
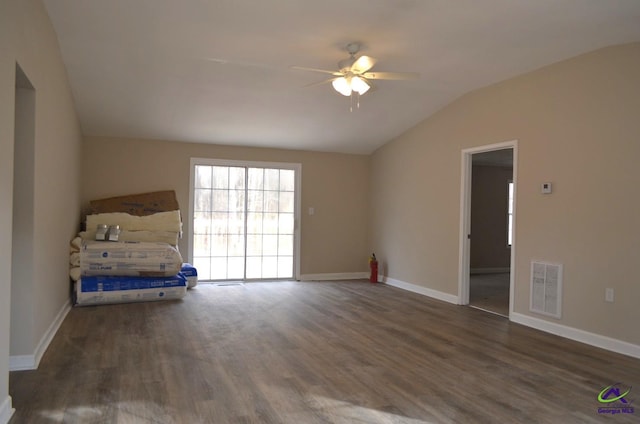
{"x": 546, "y": 288}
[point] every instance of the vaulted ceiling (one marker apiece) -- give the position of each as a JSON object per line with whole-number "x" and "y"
{"x": 219, "y": 71}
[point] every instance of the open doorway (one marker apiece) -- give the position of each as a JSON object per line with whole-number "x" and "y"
{"x": 488, "y": 196}
{"x": 22, "y": 243}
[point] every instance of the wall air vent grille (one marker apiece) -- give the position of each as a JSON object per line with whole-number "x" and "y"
{"x": 546, "y": 289}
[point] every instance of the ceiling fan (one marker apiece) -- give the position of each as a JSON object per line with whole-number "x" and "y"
{"x": 354, "y": 76}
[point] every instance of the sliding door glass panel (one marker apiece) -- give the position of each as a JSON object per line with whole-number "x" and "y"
{"x": 219, "y": 222}
{"x": 286, "y": 222}
{"x": 270, "y": 221}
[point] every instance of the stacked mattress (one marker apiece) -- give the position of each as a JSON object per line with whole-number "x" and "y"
{"x": 143, "y": 265}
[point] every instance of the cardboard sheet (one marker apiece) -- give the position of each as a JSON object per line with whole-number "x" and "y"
{"x": 137, "y": 204}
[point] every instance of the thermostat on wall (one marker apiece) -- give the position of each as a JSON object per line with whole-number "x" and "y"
{"x": 546, "y": 188}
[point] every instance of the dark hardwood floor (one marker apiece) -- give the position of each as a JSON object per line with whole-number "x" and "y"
{"x": 313, "y": 352}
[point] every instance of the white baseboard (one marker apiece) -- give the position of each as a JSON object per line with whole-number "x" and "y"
{"x": 334, "y": 276}
{"x": 582, "y": 336}
{"x": 446, "y": 297}
{"x": 30, "y": 362}
{"x": 489, "y": 270}
{"x": 22, "y": 362}
{"x": 6, "y": 410}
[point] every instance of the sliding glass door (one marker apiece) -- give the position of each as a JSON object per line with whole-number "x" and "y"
{"x": 244, "y": 217}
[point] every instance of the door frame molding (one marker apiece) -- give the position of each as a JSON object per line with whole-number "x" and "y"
{"x": 297, "y": 167}
{"x": 465, "y": 219}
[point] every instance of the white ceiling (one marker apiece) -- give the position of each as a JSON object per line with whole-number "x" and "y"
{"x": 141, "y": 68}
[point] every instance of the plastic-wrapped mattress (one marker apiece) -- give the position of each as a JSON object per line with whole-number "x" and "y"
{"x": 191, "y": 274}
{"x": 96, "y": 290}
{"x": 141, "y": 259}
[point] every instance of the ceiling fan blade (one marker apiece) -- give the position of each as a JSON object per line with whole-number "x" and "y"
{"x": 313, "y": 84}
{"x": 324, "y": 71}
{"x": 239, "y": 63}
{"x": 362, "y": 64}
{"x": 391, "y": 75}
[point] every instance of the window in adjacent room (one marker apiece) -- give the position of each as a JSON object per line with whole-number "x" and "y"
{"x": 510, "y": 213}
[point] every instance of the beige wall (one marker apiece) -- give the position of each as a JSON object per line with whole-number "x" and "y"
{"x": 577, "y": 126}
{"x": 489, "y": 206}
{"x": 333, "y": 240}
{"x": 27, "y": 38}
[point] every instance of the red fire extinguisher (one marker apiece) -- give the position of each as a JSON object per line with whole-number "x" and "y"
{"x": 373, "y": 266}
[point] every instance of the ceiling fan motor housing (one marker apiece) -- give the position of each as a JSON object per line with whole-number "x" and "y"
{"x": 353, "y": 49}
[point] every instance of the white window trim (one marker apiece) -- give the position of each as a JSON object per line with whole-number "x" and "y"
{"x": 297, "y": 167}
{"x": 510, "y": 214}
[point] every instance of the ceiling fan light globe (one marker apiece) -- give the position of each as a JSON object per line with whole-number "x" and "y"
{"x": 360, "y": 85}
{"x": 342, "y": 86}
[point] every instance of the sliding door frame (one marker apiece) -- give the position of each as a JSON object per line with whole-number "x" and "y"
{"x": 296, "y": 167}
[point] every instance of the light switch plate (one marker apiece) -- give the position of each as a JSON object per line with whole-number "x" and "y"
{"x": 546, "y": 188}
{"x": 608, "y": 295}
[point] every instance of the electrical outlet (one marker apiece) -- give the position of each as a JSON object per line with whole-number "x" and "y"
{"x": 608, "y": 295}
